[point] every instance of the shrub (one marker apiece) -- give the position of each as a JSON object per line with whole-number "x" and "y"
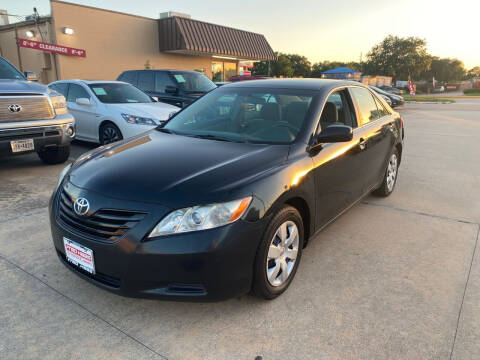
{"x": 474, "y": 91}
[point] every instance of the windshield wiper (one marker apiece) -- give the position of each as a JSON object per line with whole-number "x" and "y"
{"x": 212, "y": 137}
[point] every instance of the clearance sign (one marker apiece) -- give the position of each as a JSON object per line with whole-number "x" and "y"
{"x": 59, "y": 49}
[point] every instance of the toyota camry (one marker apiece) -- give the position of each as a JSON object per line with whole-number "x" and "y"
{"x": 223, "y": 199}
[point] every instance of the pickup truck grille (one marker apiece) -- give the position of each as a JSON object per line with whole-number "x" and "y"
{"x": 104, "y": 224}
{"x": 34, "y": 107}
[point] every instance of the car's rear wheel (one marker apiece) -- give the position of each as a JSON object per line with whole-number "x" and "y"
{"x": 54, "y": 155}
{"x": 278, "y": 254}
{"x": 109, "y": 133}
{"x": 390, "y": 178}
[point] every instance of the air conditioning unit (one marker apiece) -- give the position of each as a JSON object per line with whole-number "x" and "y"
{"x": 168, "y": 14}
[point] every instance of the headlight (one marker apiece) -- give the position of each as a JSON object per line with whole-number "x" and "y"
{"x": 59, "y": 103}
{"x": 62, "y": 174}
{"x": 132, "y": 119}
{"x": 201, "y": 217}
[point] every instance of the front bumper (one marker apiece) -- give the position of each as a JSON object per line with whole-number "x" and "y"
{"x": 44, "y": 133}
{"x": 208, "y": 265}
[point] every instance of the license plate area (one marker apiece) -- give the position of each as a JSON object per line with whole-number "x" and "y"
{"x": 22, "y": 145}
{"x": 79, "y": 255}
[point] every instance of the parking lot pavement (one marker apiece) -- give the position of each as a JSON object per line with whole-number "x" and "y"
{"x": 395, "y": 278}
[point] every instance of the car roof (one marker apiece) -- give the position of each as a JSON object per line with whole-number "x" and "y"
{"x": 306, "y": 84}
{"x": 88, "y": 82}
{"x": 165, "y": 70}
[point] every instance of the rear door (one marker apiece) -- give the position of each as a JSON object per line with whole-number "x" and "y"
{"x": 377, "y": 135}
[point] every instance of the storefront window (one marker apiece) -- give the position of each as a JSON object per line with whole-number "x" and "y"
{"x": 217, "y": 71}
{"x": 223, "y": 71}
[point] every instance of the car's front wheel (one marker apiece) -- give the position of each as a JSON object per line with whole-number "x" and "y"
{"x": 109, "y": 133}
{"x": 390, "y": 177}
{"x": 55, "y": 155}
{"x": 278, "y": 254}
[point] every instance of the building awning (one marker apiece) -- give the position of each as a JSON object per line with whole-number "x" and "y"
{"x": 187, "y": 36}
{"x": 341, "y": 70}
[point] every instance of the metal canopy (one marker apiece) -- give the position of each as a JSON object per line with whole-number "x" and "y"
{"x": 183, "y": 35}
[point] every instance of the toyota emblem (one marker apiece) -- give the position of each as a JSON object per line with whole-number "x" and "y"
{"x": 14, "y": 108}
{"x": 81, "y": 206}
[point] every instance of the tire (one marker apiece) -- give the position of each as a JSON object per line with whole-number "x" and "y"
{"x": 55, "y": 155}
{"x": 388, "y": 183}
{"x": 109, "y": 133}
{"x": 268, "y": 284}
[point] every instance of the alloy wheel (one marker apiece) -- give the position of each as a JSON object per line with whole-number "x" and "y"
{"x": 282, "y": 253}
{"x": 392, "y": 171}
{"x": 110, "y": 134}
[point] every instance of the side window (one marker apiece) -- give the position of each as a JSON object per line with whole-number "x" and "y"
{"x": 338, "y": 110}
{"x": 75, "y": 92}
{"x": 60, "y": 88}
{"x": 145, "y": 80}
{"x": 129, "y": 77}
{"x": 162, "y": 80}
{"x": 366, "y": 105}
{"x": 381, "y": 109}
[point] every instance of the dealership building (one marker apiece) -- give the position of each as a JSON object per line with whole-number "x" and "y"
{"x": 84, "y": 42}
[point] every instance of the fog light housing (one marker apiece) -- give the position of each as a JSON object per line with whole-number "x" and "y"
{"x": 70, "y": 131}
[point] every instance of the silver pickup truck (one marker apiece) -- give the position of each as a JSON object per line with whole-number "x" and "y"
{"x": 33, "y": 118}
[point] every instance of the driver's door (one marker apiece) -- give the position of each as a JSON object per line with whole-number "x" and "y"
{"x": 338, "y": 166}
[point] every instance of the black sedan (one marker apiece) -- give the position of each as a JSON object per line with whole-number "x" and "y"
{"x": 223, "y": 199}
{"x": 396, "y": 100}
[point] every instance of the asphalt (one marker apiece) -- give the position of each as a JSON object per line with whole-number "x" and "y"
{"x": 394, "y": 278}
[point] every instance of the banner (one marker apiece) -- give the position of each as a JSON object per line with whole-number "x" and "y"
{"x": 59, "y": 49}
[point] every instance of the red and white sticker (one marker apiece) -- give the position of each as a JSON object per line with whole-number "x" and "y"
{"x": 79, "y": 255}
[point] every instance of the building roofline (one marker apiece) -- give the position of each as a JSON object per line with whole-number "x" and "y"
{"x": 41, "y": 20}
{"x": 101, "y": 9}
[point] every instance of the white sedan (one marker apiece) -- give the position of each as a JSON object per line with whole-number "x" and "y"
{"x": 108, "y": 111}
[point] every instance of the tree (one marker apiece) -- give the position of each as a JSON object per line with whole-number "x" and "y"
{"x": 300, "y": 65}
{"x": 446, "y": 70}
{"x": 260, "y": 68}
{"x": 399, "y": 57}
{"x": 474, "y": 72}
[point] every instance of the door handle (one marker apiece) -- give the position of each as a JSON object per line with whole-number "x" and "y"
{"x": 362, "y": 143}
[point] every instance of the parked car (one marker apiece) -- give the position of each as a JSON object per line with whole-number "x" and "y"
{"x": 392, "y": 90}
{"x": 109, "y": 111}
{"x": 176, "y": 87}
{"x": 224, "y": 197}
{"x": 32, "y": 117}
{"x": 397, "y": 100}
{"x": 387, "y": 99}
{"x": 247, "y": 77}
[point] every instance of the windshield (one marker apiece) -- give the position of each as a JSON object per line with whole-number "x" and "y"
{"x": 119, "y": 93}
{"x": 193, "y": 82}
{"x": 256, "y": 115}
{"x": 8, "y": 71}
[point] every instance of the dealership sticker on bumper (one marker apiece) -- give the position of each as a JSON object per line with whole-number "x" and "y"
{"x": 22, "y": 145}
{"x": 79, "y": 255}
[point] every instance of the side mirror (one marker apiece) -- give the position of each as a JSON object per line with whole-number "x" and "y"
{"x": 169, "y": 89}
{"x": 31, "y": 76}
{"x": 334, "y": 134}
{"x": 83, "y": 101}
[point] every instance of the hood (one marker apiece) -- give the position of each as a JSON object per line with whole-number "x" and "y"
{"x": 155, "y": 110}
{"x": 173, "y": 170}
{"x": 11, "y": 85}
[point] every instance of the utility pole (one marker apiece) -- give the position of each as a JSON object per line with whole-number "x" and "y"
{"x": 18, "y": 49}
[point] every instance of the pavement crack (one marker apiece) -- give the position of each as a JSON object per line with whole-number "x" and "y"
{"x": 463, "y": 221}
{"x": 83, "y": 307}
{"x": 464, "y": 292}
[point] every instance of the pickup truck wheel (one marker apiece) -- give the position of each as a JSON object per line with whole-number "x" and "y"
{"x": 55, "y": 155}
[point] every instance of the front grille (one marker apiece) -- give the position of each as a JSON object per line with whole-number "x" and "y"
{"x": 26, "y": 133}
{"x": 104, "y": 224}
{"x": 32, "y": 108}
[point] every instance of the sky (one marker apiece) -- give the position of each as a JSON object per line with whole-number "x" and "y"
{"x": 320, "y": 30}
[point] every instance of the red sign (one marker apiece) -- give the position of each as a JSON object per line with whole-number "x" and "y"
{"x": 411, "y": 87}
{"x": 59, "y": 49}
